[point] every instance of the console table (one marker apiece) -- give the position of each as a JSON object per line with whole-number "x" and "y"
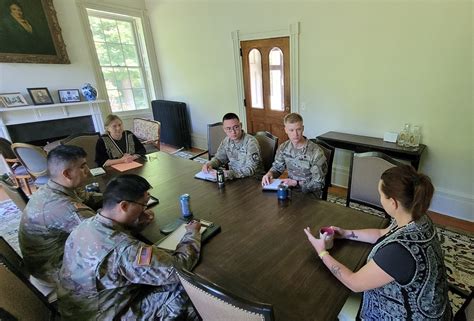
{"x": 362, "y": 144}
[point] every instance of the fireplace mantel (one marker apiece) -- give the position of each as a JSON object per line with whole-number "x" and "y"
{"x": 31, "y": 114}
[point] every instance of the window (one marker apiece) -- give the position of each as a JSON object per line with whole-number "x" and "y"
{"x": 255, "y": 70}
{"x": 277, "y": 87}
{"x": 119, "y": 44}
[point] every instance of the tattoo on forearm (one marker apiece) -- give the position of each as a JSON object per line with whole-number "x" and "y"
{"x": 336, "y": 270}
{"x": 352, "y": 235}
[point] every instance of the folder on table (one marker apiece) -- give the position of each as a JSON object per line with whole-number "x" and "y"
{"x": 208, "y": 229}
{"x": 273, "y": 186}
{"x": 206, "y": 176}
{"x": 126, "y": 166}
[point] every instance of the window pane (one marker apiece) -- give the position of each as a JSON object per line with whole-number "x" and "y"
{"x": 109, "y": 78}
{"x": 126, "y": 32}
{"x": 102, "y": 54}
{"x": 131, "y": 58}
{"x": 255, "y": 71}
{"x": 136, "y": 78}
{"x": 109, "y": 27}
{"x": 141, "y": 101}
{"x": 114, "y": 99}
{"x": 116, "y": 55}
{"x": 122, "y": 77}
{"x": 96, "y": 29}
{"x": 277, "y": 87}
{"x": 126, "y": 95}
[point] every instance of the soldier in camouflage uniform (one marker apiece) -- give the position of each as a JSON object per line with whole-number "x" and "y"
{"x": 240, "y": 150}
{"x": 54, "y": 211}
{"x": 108, "y": 274}
{"x": 304, "y": 160}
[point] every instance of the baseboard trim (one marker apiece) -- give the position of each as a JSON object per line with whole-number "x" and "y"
{"x": 445, "y": 202}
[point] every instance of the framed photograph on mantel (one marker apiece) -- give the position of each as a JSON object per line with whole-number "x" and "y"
{"x": 13, "y": 100}
{"x": 30, "y": 33}
{"x": 69, "y": 95}
{"x": 40, "y": 96}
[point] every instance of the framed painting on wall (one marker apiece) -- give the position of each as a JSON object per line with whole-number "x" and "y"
{"x": 30, "y": 33}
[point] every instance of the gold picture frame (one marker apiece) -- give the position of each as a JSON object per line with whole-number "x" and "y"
{"x": 30, "y": 33}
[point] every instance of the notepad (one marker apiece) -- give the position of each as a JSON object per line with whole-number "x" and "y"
{"x": 122, "y": 167}
{"x": 172, "y": 240}
{"x": 206, "y": 176}
{"x": 273, "y": 186}
{"x": 97, "y": 171}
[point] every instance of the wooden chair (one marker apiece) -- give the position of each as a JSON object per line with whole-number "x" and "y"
{"x": 268, "y": 147}
{"x": 19, "y": 299}
{"x": 148, "y": 132}
{"x": 34, "y": 160}
{"x": 15, "y": 193}
{"x": 13, "y": 164}
{"x": 329, "y": 154}
{"x": 214, "y": 303}
{"x": 364, "y": 175}
{"x": 86, "y": 141}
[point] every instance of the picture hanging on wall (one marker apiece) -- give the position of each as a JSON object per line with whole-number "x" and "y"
{"x": 30, "y": 33}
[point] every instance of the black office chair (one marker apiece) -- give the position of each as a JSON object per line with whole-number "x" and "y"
{"x": 364, "y": 175}
{"x": 214, "y": 303}
{"x": 268, "y": 147}
{"x": 329, "y": 154}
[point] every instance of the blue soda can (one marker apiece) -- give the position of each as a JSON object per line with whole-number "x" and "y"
{"x": 282, "y": 192}
{"x": 185, "y": 208}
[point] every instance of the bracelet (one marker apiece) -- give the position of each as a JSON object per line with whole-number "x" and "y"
{"x": 322, "y": 254}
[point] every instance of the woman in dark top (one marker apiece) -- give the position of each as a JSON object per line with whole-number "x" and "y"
{"x": 117, "y": 145}
{"x": 404, "y": 277}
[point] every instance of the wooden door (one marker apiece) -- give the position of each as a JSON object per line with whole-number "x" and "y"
{"x": 266, "y": 70}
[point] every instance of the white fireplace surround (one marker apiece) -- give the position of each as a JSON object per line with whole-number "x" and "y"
{"x": 32, "y": 114}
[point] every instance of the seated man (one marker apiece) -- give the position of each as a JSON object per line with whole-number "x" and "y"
{"x": 305, "y": 161}
{"x": 54, "y": 211}
{"x": 240, "y": 150}
{"x": 108, "y": 274}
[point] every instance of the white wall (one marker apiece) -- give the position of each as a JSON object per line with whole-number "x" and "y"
{"x": 366, "y": 67}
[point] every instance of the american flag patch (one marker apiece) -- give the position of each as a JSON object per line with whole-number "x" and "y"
{"x": 144, "y": 255}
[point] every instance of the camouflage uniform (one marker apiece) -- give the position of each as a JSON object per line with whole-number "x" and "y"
{"x": 108, "y": 274}
{"x": 307, "y": 165}
{"x": 48, "y": 219}
{"x": 243, "y": 156}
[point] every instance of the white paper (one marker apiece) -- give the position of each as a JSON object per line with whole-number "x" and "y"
{"x": 97, "y": 171}
{"x": 172, "y": 240}
{"x": 273, "y": 186}
{"x": 206, "y": 176}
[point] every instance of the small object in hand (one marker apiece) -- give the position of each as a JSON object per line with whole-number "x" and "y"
{"x": 93, "y": 187}
{"x": 327, "y": 234}
{"x": 220, "y": 178}
{"x": 186, "y": 212}
{"x": 282, "y": 192}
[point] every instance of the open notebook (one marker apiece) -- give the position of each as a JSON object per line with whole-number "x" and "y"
{"x": 273, "y": 186}
{"x": 206, "y": 176}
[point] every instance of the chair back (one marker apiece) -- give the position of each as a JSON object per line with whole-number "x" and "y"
{"x": 268, "y": 147}
{"x": 364, "y": 175}
{"x": 147, "y": 131}
{"x": 214, "y": 303}
{"x": 6, "y": 149}
{"x": 12, "y": 256}
{"x": 19, "y": 299}
{"x": 15, "y": 193}
{"x": 329, "y": 154}
{"x": 32, "y": 157}
{"x": 86, "y": 141}
{"x": 215, "y": 135}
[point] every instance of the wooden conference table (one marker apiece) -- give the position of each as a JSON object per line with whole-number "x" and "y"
{"x": 261, "y": 252}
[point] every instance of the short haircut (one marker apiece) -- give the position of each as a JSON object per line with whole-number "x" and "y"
{"x": 128, "y": 187}
{"x": 62, "y": 156}
{"x": 292, "y": 118}
{"x": 230, "y": 116}
{"x": 110, "y": 118}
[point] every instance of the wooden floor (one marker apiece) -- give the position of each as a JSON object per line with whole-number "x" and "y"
{"x": 440, "y": 219}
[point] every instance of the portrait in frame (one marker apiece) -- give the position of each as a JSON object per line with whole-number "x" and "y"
{"x": 40, "y": 96}
{"x": 69, "y": 95}
{"x": 30, "y": 33}
{"x": 13, "y": 100}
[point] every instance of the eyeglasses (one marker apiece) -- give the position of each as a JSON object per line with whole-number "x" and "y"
{"x": 234, "y": 128}
{"x": 138, "y": 203}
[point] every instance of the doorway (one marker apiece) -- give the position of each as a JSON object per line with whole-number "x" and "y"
{"x": 266, "y": 76}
